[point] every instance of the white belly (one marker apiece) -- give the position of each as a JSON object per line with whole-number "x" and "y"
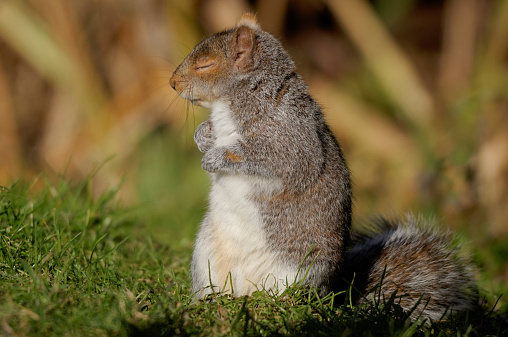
{"x": 231, "y": 250}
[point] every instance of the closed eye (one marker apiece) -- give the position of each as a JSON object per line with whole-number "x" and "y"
{"x": 205, "y": 63}
{"x": 205, "y": 66}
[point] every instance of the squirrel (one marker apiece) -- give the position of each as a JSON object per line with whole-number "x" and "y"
{"x": 280, "y": 204}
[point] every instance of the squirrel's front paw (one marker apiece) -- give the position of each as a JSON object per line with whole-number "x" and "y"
{"x": 204, "y": 136}
{"x": 220, "y": 159}
{"x": 213, "y": 160}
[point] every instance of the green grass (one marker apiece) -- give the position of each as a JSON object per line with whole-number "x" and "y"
{"x": 75, "y": 265}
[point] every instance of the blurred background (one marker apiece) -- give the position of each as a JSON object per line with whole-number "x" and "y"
{"x": 415, "y": 91}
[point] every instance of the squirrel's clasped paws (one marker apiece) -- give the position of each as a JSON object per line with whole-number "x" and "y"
{"x": 220, "y": 159}
{"x": 204, "y": 136}
{"x": 213, "y": 160}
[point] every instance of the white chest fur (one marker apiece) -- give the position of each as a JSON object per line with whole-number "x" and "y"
{"x": 223, "y": 125}
{"x": 231, "y": 245}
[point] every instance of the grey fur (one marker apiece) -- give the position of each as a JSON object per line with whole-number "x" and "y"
{"x": 283, "y": 136}
{"x": 418, "y": 263}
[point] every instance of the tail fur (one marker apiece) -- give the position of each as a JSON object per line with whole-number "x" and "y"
{"x": 420, "y": 265}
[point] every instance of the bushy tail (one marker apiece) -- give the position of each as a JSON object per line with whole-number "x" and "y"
{"x": 421, "y": 265}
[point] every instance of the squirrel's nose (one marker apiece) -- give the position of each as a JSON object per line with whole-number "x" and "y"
{"x": 172, "y": 82}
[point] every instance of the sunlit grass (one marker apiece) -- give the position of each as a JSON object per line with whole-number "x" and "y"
{"x": 76, "y": 87}
{"x": 74, "y": 265}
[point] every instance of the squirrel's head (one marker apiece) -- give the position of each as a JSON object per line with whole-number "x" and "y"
{"x": 226, "y": 61}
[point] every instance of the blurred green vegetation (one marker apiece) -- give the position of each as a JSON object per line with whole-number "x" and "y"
{"x": 415, "y": 91}
{"x": 172, "y": 188}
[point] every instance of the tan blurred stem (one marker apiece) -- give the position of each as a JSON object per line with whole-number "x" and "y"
{"x": 271, "y": 14}
{"x": 491, "y": 67}
{"x": 461, "y": 24}
{"x": 221, "y": 14}
{"x": 365, "y": 126}
{"x": 386, "y": 60}
{"x": 492, "y": 158}
{"x": 375, "y": 139}
{"x": 497, "y": 41}
{"x": 182, "y": 19}
{"x": 10, "y": 147}
{"x": 66, "y": 29}
{"x": 30, "y": 37}
{"x": 492, "y": 165}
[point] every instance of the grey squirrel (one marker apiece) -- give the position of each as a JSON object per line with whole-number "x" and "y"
{"x": 280, "y": 200}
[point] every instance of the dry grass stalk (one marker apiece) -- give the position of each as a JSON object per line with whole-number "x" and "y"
{"x": 386, "y": 59}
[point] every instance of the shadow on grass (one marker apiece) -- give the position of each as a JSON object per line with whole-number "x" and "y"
{"x": 156, "y": 329}
{"x": 351, "y": 321}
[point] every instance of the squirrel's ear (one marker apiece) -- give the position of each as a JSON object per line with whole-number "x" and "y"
{"x": 242, "y": 46}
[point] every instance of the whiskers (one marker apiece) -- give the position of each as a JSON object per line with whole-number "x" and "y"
{"x": 179, "y": 112}
{"x": 190, "y": 115}
{"x": 170, "y": 103}
{"x": 182, "y": 113}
